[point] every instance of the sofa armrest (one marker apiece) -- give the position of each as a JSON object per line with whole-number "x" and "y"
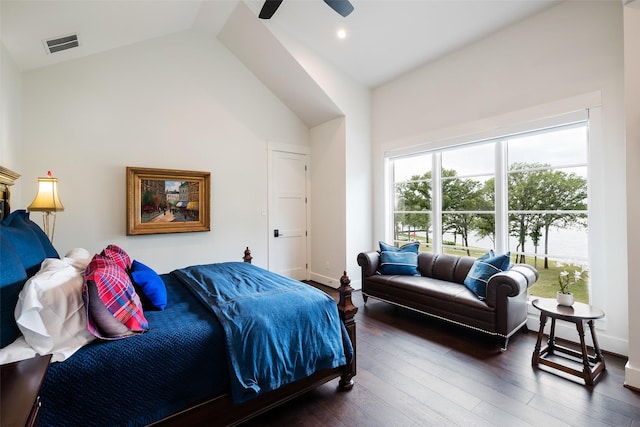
{"x": 510, "y": 283}
{"x": 369, "y": 261}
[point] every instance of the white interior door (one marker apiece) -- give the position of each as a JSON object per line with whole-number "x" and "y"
{"x": 288, "y": 214}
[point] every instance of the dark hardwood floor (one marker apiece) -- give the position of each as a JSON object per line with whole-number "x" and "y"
{"x": 416, "y": 371}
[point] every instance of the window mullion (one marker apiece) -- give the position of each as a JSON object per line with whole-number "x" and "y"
{"x": 436, "y": 201}
{"x": 502, "y": 197}
{"x": 390, "y": 198}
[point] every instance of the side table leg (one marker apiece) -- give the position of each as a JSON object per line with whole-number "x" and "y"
{"x": 596, "y": 346}
{"x": 536, "y": 351}
{"x": 586, "y": 371}
{"x": 552, "y": 336}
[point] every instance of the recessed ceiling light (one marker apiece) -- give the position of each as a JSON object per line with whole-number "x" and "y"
{"x": 342, "y": 33}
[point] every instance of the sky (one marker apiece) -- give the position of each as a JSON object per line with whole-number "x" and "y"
{"x": 567, "y": 146}
{"x": 171, "y": 185}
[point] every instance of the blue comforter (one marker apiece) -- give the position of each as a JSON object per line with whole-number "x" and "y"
{"x": 135, "y": 381}
{"x": 278, "y": 330}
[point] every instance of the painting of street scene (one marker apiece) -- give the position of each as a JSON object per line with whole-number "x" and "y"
{"x": 169, "y": 201}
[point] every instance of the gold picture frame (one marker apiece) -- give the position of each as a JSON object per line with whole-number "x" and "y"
{"x": 167, "y": 201}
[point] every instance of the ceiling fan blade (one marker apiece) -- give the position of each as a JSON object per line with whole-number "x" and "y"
{"x": 269, "y": 8}
{"x": 343, "y": 7}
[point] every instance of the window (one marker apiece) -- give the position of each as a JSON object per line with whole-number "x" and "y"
{"x": 468, "y": 203}
{"x": 525, "y": 193}
{"x": 412, "y": 201}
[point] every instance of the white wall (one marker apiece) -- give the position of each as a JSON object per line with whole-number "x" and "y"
{"x": 341, "y": 216}
{"x": 10, "y": 119}
{"x": 177, "y": 102}
{"x": 567, "y": 53}
{"x": 359, "y": 185}
{"x": 328, "y": 221}
{"x": 632, "y": 114}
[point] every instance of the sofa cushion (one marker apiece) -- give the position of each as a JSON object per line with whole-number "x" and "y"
{"x": 482, "y": 270}
{"x": 401, "y": 263}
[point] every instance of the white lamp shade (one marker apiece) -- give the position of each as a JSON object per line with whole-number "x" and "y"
{"x": 47, "y": 199}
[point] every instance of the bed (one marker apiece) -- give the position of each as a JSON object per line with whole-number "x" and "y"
{"x": 191, "y": 362}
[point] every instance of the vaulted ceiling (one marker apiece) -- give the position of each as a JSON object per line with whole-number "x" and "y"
{"x": 384, "y": 38}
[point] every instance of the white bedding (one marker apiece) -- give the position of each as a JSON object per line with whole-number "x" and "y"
{"x": 50, "y": 312}
{"x": 17, "y": 350}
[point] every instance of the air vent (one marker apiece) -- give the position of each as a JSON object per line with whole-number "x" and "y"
{"x": 61, "y": 43}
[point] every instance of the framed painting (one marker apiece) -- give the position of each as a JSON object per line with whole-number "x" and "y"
{"x": 167, "y": 201}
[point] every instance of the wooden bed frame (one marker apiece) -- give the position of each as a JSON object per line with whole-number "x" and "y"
{"x": 7, "y": 178}
{"x": 225, "y": 412}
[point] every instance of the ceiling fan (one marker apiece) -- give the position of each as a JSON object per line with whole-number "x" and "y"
{"x": 343, "y": 7}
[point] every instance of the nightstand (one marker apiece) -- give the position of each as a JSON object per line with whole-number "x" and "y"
{"x": 19, "y": 389}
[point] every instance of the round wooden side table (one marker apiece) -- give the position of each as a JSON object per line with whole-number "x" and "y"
{"x": 579, "y": 314}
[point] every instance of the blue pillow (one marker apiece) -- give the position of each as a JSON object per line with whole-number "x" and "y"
{"x": 482, "y": 270}
{"x": 397, "y": 262}
{"x": 408, "y": 247}
{"x": 49, "y": 250}
{"x": 22, "y": 250}
{"x": 23, "y": 247}
{"x": 12, "y": 280}
{"x": 28, "y": 240}
{"x": 153, "y": 292}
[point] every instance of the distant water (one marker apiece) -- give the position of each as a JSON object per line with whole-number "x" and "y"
{"x": 565, "y": 245}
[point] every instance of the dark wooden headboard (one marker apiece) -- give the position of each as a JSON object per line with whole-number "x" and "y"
{"x": 7, "y": 178}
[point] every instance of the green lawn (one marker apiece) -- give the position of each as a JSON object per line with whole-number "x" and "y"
{"x": 547, "y": 284}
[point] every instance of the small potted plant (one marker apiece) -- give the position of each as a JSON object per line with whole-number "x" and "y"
{"x": 564, "y": 296}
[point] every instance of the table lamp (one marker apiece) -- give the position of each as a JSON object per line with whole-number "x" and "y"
{"x": 47, "y": 202}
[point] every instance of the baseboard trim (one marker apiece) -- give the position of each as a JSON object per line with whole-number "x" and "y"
{"x": 334, "y": 282}
{"x": 631, "y": 377}
{"x": 325, "y": 280}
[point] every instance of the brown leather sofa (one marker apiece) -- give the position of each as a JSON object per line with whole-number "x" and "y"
{"x": 440, "y": 292}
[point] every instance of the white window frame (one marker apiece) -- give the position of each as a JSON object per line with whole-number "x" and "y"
{"x": 590, "y": 116}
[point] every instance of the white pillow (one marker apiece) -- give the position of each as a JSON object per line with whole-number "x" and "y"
{"x": 50, "y": 311}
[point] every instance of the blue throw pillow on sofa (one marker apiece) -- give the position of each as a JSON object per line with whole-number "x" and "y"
{"x": 407, "y": 247}
{"x": 482, "y": 270}
{"x": 401, "y": 263}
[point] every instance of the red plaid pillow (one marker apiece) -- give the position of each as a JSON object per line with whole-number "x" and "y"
{"x": 113, "y": 307}
{"x": 117, "y": 255}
